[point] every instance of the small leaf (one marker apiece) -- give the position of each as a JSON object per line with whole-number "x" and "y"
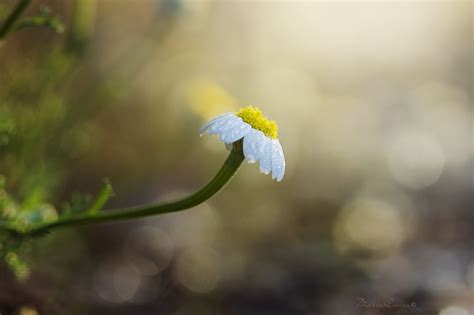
{"x": 79, "y": 203}
{"x": 44, "y": 18}
{"x": 88, "y": 204}
{"x": 17, "y": 265}
{"x": 27, "y": 220}
{"x": 102, "y": 198}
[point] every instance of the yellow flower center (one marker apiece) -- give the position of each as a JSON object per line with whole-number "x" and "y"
{"x": 254, "y": 117}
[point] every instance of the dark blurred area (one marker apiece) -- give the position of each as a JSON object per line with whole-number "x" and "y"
{"x": 374, "y": 106}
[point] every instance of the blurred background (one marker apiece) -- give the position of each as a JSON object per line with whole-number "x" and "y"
{"x": 374, "y": 106}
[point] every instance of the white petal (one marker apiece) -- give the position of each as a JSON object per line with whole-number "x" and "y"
{"x": 278, "y": 160}
{"x": 214, "y": 120}
{"x": 220, "y": 126}
{"x": 214, "y": 126}
{"x": 237, "y": 133}
{"x": 252, "y": 142}
{"x": 228, "y": 128}
{"x": 259, "y": 141}
{"x": 266, "y": 156}
{"x": 249, "y": 152}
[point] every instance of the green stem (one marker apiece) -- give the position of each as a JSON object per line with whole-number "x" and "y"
{"x": 14, "y": 15}
{"x": 231, "y": 165}
{"x": 82, "y": 24}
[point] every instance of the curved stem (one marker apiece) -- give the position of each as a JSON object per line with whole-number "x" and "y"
{"x": 14, "y": 15}
{"x": 231, "y": 165}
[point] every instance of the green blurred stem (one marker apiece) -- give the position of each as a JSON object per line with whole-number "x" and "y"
{"x": 82, "y": 24}
{"x": 231, "y": 165}
{"x": 14, "y": 15}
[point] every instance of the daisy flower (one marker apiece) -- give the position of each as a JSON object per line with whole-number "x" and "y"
{"x": 259, "y": 134}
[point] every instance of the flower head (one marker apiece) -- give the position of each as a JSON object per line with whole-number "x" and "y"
{"x": 259, "y": 134}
